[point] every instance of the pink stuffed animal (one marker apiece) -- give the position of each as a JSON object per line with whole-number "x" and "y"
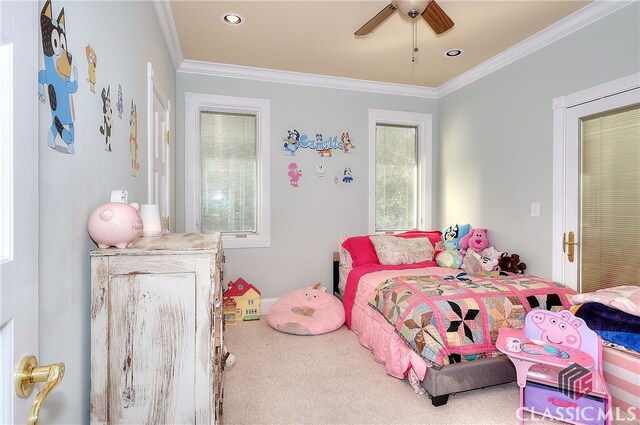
{"x": 476, "y": 240}
{"x": 308, "y": 311}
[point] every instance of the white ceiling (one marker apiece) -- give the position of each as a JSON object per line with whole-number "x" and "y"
{"x": 316, "y": 37}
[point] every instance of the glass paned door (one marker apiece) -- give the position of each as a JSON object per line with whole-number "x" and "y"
{"x": 610, "y": 199}
{"x": 601, "y": 190}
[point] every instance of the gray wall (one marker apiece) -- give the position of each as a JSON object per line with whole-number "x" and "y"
{"x": 125, "y": 36}
{"x": 495, "y": 135}
{"x": 305, "y": 221}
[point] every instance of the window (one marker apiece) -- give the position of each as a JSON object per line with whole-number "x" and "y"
{"x": 401, "y": 164}
{"x": 227, "y": 163}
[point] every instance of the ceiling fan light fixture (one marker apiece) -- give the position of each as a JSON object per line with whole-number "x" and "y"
{"x": 452, "y": 53}
{"x": 411, "y": 8}
{"x": 232, "y": 18}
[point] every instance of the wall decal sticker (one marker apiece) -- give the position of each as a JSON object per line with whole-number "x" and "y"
{"x": 291, "y": 141}
{"x": 57, "y": 75}
{"x": 133, "y": 139}
{"x": 348, "y": 177}
{"x": 119, "y": 104}
{"x": 325, "y": 147}
{"x": 92, "y": 62}
{"x": 336, "y": 179}
{"x": 322, "y": 149}
{"x": 105, "y": 128}
{"x": 347, "y": 143}
{"x": 294, "y": 174}
{"x": 321, "y": 170}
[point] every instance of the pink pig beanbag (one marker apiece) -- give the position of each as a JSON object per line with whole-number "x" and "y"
{"x": 308, "y": 311}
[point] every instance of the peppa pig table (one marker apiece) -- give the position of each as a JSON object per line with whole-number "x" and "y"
{"x": 558, "y": 362}
{"x": 525, "y": 352}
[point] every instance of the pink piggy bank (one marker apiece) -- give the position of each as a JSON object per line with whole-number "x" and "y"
{"x": 115, "y": 224}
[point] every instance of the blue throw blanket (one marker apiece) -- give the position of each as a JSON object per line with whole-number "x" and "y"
{"x": 611, "y": 324}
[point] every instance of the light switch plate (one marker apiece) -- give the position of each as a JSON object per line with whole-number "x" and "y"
{"x": 535, "y": 209}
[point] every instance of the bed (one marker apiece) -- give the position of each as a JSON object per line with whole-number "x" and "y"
{"x": 614, "y": 314}
{"x": 386, "y": 306}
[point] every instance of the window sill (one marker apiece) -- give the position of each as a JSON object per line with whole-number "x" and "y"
{"x": 231, "y": 242}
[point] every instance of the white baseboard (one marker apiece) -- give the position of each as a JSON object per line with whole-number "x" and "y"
{"x": 265, "y": 305}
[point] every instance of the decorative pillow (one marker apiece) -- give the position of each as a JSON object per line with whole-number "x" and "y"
{"x": 345, "y": 257}
{"x": 452, "y": 235}
{"x": 392, "y": 250}
{"x": 434, "y": 236}
{"x": 361, "y": 250}
{"x": 450, "y": 259}
{"x": 308, "y": 311}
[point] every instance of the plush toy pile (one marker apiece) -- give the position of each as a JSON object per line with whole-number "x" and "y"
{"x": 511, "y": 263}
{"x": 463, "y": 246}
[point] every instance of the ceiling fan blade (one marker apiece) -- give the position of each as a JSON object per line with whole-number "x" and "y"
{"x": 436, "y": 18}
{"x": 376, "y": 20}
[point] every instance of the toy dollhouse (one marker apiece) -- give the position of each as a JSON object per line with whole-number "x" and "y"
{"x": 558, "y": 361}
{"x": 229, "y": 310}
{"x": 247, "y": 299}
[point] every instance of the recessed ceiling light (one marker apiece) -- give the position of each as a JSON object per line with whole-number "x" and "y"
{"x": 232, "y": 18}
{"x": 452, "y": 53}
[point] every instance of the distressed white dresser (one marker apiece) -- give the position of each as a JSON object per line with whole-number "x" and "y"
{"x": 157, "y": 331}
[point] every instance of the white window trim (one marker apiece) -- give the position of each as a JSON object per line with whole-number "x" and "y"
{"x": 198, "y": 102}
{"x": 424, "y": 124}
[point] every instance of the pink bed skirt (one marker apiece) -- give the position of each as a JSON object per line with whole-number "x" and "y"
{"x": 378, "y": 335}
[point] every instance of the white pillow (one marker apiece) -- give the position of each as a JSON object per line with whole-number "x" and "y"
{"x": 393, "y": 250}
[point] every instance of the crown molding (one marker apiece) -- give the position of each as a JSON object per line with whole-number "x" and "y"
{"x": 168, "y": 26}
{"x": 630, "y": 82}
{"x": 577, "y": 20}
{"x": 303, "y": 79}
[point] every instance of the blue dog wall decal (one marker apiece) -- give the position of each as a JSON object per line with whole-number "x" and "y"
{"x": 57, "y": 75}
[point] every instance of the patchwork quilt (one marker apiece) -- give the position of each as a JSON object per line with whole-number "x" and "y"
{"x": 455, "y": 318}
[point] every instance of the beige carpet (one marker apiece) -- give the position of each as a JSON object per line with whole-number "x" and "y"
{"x": 332, "y": 379}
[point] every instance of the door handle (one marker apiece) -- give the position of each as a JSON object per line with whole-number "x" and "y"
{"x": 28, "y": 373}
{"x": 569, "y": 243}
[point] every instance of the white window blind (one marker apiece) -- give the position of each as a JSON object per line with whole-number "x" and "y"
{"x": 228, "y": 172}
{"x": 610, "y": 199}
{"x": 396, "y": 178}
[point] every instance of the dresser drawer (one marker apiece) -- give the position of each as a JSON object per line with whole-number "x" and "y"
{"x": 549, "y": 401}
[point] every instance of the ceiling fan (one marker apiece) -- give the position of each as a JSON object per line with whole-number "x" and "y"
{"x": 437, "y": 19}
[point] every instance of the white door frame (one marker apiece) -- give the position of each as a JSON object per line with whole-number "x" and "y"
{"x": 19, "y": 265}
{"x": 155, "y": 91}
{"x": 561, "y": 123}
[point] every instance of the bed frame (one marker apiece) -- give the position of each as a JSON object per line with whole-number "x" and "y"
{"x": 457, "y": 377}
